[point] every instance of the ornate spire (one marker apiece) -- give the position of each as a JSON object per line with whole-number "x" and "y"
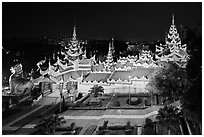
{"x": 110, "y": 56}
{"x": 84, "y": 53}
{"x": 109, "y": 60}
{"x": 112, "y": 45}
{"x": 172, "y": 19}
{"x": 173, "y": 43}
{"x": 74, "y": 33}
{"x": 74, "y": 48}
{"x": 49, "y": 67}
{"x": 112, "y": 41}
{"x": 173, "y": 40}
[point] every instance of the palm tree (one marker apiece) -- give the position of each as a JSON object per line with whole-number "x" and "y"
{"x": 48, "y": 124}
{"x": 169, "y": 117}
{"x": 96, "y": 90}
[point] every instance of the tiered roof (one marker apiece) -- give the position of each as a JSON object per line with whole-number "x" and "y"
{"x": 70, "y": 66}
{"x": 98, "y": 67}
{"x": 71, "y": 76}
{"x": 99, "y": 77}
{"x": 146, "y": 60}
{"x": 177, "y": 52}
{"x": 125, "y": 69}
{"x": 109, "y": 61}
{"x": 131, "y": 74}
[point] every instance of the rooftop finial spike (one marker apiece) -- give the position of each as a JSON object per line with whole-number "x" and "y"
{"x": 110, "y": 45}
{"x": 112, "y": 41}
{"x": 173, "y": 19}
{"x": 74, "y": 32}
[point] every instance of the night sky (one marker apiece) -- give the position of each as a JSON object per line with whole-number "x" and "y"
{"x": 128, "y": 21}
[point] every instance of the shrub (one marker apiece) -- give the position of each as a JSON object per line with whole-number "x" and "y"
{"x": 117, "y": 103}
{"x": 80, "y": 95}
{"x": 134, "y": 101}
{"x": 117, "y": 127}
{"x": 128, "y": 125}
{"x": 72, "y": 126}
{"x": 146, "y": 102}
{"x": 105, "y": 124}
{"x": 148, "y": 128}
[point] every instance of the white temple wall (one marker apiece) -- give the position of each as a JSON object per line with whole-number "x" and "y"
{"x": 85, "y": 87}
{"x": 135, "y": 87}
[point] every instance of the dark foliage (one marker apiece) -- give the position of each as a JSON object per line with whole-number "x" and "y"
{"x": 117, "y": 103}
{"x": 169, "y": 117}
{"x": 192, "y": 98}
{"x": 49, "y": 123}
{"x": 148, "y": 128}
{"x": 96, "y": 90}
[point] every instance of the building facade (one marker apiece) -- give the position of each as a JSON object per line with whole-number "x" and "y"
{"x": 128, "y": 74}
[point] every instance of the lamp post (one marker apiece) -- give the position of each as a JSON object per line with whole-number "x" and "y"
{"x": 129, "y": 89}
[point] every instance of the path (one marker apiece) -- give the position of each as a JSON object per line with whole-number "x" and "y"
{"x": 50, "y": 99}
{"x": 112, "y": 116}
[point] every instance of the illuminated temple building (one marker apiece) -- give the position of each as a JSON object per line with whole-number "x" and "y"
{"x": 127, "y": 74}
{"x": 173, "y": 50}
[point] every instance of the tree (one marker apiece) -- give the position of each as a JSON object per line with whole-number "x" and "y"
{"x": 127, "y": 131}
{"x": 192, "y": 104}
{"x": 169, "y": 82}
{"x": 148, "y": 127}
{"x": 96, "y": 90}
{"x": 169, "y": 117}
{"x": 105, "y": 125}
{"x": 192, "y": 98}
{"x": 48, "y": 124}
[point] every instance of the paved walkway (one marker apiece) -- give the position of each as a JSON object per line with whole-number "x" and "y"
{"x": 8, "y": 126}
{"x": 52, "y": 98}
{"x": 112, "y": 116}
{"x": 102, "y": 117}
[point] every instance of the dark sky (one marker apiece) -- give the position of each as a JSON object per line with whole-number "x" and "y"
{"x": 129, "y": 21}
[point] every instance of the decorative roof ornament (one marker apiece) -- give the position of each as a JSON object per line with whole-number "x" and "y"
{"x": 73, "y": 50}
{"x": 74, "y": 33}
{"x": 17, "y": 69}
{"x": 145, "y": 58}
{"x": 173, "y": 19}
{"x": 173, "y": 44}
{"x": 84, "y": 53}
{"x": 113, "y": 49}
{"x": 173, "y": 40}
{"x": 109, "y": 60}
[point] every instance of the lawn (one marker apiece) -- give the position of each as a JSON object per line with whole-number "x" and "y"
{"x": 118, "y": 100}
{"x": 123, "y": 100}
{"x": 85, "y": 104}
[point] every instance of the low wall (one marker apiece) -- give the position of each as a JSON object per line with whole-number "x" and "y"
{"x": 114, "y": 88}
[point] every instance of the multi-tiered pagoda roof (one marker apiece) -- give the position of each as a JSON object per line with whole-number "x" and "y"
{"x": 173, "y": 50}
